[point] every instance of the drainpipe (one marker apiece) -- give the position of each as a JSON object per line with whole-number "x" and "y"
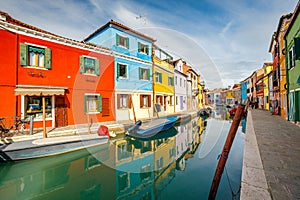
{"x": 287, "y": 80}
{"x": 17, "y": 77}
{"x": 153, "y": 92}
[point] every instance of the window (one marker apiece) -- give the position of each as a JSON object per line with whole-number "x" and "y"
{"x": 123, "y": 101}
{"x": 124, "y": 151}
{"x": 180, "y": 82}
{"x": 35, "y": 56}
{"x": 145, "y": 101}
{"x": 176, "y": 100}
{"x": 89, "y": 65}
{"x": 171, "y": 101}
{"x": 142, "y": 48}
{"x": 92, "y": 103}
{"x": 170, "y": 81}
{"x": 292, "y": 57}
{"x": 184, "y": 83}
{"x": 123, "y": 181}
{"x": 158, "y": 77}
{"x": 160, "y": 163}
{"x": 175, "y": 80}
{"x": 145, "y": 172}
{"x": 144, "y": 74}
{"x": 172, "y": 151}
{"x": 121, "y": 70}
{"x": 34, "y": 106}
{"x": 122, "y": 41}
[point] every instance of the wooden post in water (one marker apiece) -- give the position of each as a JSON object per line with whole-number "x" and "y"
{"x": 44, "y": 117}
{"x": 225, "y": 152}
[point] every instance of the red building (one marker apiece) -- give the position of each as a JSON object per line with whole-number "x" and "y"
{"x": 52, "y": 77}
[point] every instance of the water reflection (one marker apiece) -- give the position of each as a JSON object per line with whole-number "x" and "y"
{"x": 181, "y": 163}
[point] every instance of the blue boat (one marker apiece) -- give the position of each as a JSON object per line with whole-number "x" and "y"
{"x": 151, "y": 128}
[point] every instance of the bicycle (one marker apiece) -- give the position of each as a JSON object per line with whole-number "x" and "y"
{"x": 3, "y": 129}
{"x": 20, "y": 125}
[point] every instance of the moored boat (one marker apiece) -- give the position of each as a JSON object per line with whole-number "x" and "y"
{"x": 48, "y": 146}
{"x": 151, "y": 128}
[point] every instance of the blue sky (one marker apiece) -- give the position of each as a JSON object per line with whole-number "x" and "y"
{"x": 225, "y": 41}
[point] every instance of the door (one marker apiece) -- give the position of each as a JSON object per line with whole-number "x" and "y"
{"x": 165, "y": 103}
{"x": 181, "y": 102}
{"x": 61, "y": 112}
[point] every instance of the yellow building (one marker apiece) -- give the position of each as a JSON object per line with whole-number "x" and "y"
{"x": 200, "y": 94}
{"x": 163, "y": 81}
{"x": 229, "y": 97}
{"x": 268, "y": 67}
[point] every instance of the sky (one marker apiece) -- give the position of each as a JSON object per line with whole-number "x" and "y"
{"x": 224, "y": 41}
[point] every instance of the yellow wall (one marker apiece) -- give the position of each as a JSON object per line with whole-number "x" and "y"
{"x": 267, "y": 70}
{"x": 167, "y": 70}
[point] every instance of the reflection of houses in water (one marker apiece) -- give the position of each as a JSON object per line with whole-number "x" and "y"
{"x": 134, "y": 168}
{"x": 164, "y": 179}
{"x": 54, "y": 177}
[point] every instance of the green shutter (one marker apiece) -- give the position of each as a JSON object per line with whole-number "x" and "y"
{"x": 99, "y": 103}
{"x": 297, "y": 48}
{"x": 81, "y": 64}
{"x": 172, "y": 81}
{"x": 127, "y": 43}
{"x": 97, "y": 67}
{"x": 160, "y": 77}
{"x": 85, "y": 104}
{"x": 48, "y": 58}
{"x": 118, "y": 70}
{"x": 148, "y": 74}
{"x": 23, "y": 54}
{"x": 117, "y": 39}
{"x": 140, "y": 73}
{"x": 147, "y": 50}
{"x": 139, "y": 47}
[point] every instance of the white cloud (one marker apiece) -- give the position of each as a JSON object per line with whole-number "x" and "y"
{"x": 226, "y": 41}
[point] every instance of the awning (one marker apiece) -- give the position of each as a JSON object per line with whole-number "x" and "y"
{"x": 39, "y": 90}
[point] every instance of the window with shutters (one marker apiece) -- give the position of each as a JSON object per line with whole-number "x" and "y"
{"x": 122, "y": 41}
{"x": 89, "y": 65}
{"x": 144, "y": 74}
{"x": 123, "y": 101}
{"x": 92, "y": 103}
{"x": 292, "y": 57}
{"x": 143, "y": 48}
{"x": 122, "y": 70}
{"x": 170, "y": 81}
{"x": 145, "y": 101}
{"x": 35, "y": 56}
{"x": 158, "y": 77}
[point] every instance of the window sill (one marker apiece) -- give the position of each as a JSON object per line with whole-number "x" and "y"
{"x": 33, "y": 67}
{"x": 121, "y": 46}
{"x": 87, "y": 74}
{"x": 90, "y": 113}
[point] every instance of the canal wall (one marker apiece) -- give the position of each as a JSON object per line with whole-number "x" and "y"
{"x": 254, "y": 184}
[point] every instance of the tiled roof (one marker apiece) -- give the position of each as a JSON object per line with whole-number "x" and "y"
{"x": 119, "y": 26}
{"x": 7, "y": 18}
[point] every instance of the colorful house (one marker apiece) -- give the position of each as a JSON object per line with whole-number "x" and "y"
{"x": 133, "y": 68}
{"x": 201, "y": 93}
{"x": 268, "y": 66}
{"x": 54, "y": 79}
{"x": 260, "y": 88}
{"x": 244, "y": 96}
{"x": 180, "y": 85}
{"x": 236, "y": 89}
{"x": 281, "y": 30}
{"x": 292, "y": 46}
{"x": 163, "y": 83}
{"x": 192, "y": 87}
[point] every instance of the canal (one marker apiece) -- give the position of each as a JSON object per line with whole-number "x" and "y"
{"x": 179, "y": 166}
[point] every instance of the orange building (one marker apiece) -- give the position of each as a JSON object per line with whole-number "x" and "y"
{"x": 54, "y": 79}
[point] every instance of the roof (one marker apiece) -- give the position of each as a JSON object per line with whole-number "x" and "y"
{"x": 295, "y": 14}
{"x": 7, "y": 18}
{"x": 120, "y": 26}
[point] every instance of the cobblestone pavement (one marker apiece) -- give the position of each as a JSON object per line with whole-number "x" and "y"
{"x": 278, "y": 144}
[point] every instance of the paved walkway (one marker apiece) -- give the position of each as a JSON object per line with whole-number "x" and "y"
{"x": 271, "y": 166}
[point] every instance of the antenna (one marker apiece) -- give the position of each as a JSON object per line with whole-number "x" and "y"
{"x": 143, "y": 18}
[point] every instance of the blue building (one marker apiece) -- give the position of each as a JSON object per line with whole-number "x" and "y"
{"x": 133, "y": 68}
{"x": 244, "y": 95}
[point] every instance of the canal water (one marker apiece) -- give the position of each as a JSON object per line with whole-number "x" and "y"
{"x": 181, "y": 165}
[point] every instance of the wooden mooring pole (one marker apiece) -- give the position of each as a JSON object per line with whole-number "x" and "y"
{"x": 225, "y": 152}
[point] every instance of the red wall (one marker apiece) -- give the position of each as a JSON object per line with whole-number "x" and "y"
{"x": 8, "y": 61}
{"x": 64, "y": 72}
